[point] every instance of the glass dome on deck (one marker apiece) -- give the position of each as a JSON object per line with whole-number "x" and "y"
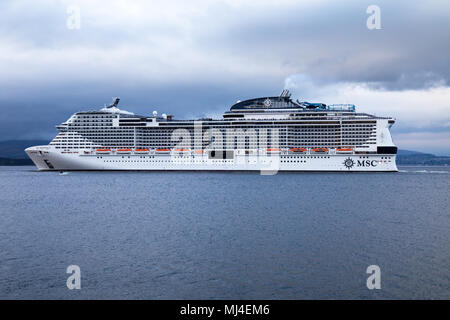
{"x": 284, "y": 101}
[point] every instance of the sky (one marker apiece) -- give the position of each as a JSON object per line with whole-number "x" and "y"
{"x": 196, "y": 58}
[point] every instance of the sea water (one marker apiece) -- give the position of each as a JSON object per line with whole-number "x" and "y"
{"x": 187, "y": 235}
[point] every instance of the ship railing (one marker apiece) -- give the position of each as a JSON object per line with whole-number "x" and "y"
{"x": 240, "y": 152}
{"x": 341, "y": 107}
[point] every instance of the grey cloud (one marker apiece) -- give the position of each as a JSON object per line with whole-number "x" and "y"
{"x": 331, "y": 41}
{"x": 36, "y": 110}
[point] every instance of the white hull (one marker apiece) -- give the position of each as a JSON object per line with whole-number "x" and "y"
{"x": 48, "y": 159}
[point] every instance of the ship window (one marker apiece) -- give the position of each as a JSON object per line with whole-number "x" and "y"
{"x": 220, "y": 154}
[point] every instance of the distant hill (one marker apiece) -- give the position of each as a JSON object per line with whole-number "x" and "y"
{"x": 408, "y": 152}
{"x": 14, "y": 149}
{"x": 15, "y": 162}
{"x": 12, "y": 153}
{"x": 407, "y": 157}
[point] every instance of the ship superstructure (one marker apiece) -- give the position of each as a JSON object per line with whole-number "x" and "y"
{"x": 272, "y": 133}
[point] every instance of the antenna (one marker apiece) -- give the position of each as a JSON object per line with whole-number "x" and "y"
{"x": 285, "y": 93}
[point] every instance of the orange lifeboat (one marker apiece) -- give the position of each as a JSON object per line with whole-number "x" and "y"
{"x": 301, "y": 150}
{"x": 319, "y": 150}
{"x": 344, "y": 150}
{"x": 181, "y": 150}
{"x": 198, "y": 151}
{"x": 127, "y": 150}
{"x": 273, "y": 150}
{"x": 144, "y": 150}
{"x": 103, "y": 150}
{"x": 162, "y": 150}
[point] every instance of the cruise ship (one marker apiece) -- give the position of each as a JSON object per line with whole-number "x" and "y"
{"x": 267, "y": 134}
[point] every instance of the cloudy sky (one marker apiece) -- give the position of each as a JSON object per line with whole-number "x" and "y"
{"x": 196, "y": 58}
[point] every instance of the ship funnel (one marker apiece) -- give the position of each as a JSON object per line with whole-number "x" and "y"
{"x": 115, "y": 103}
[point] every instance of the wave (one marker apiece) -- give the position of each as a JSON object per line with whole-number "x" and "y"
{"x": 425, "y": 171}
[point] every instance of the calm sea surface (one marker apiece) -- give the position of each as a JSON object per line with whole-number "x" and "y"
{"x": 224, "y": 235}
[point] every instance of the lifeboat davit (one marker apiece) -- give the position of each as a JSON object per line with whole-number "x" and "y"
{"x": 127, "y": 150}
{"x": 144, "y": 150}
{"x": 319, "y": 150}
{"x": 344, "y": 150}
{"x": 103, "y": 151}
{"x": 298, "y": 150}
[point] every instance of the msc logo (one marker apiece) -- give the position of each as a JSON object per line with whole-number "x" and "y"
{"x": 349, "y": 163}
{"x": 367, "y": 163}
